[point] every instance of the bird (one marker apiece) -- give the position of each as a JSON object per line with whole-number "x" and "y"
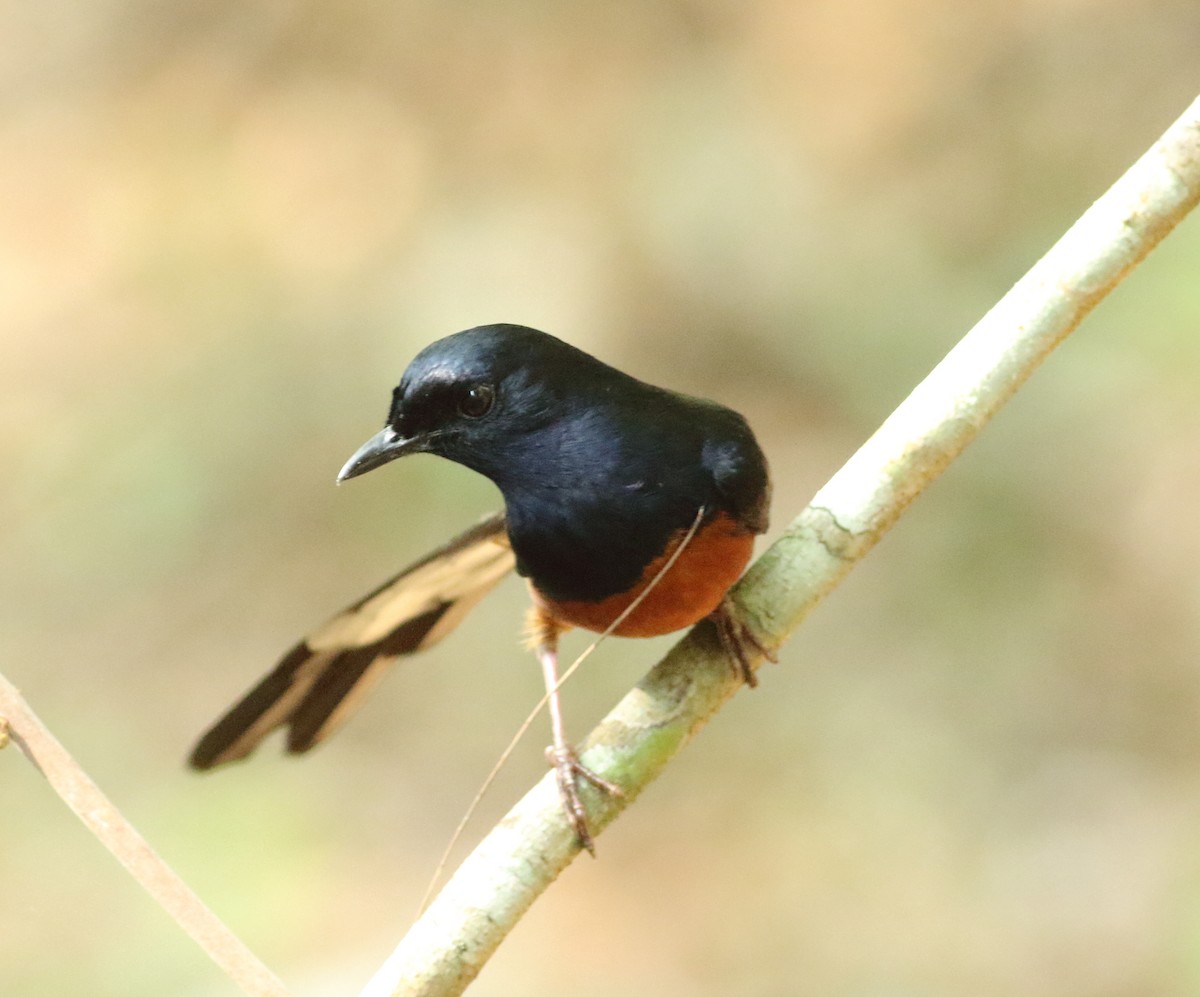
{"x": 605, "y": 479}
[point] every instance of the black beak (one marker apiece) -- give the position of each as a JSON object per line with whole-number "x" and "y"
{"x": 384, "y": 446}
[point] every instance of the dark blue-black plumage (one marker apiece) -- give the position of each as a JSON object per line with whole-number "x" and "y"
{"x": 598, "y": 469}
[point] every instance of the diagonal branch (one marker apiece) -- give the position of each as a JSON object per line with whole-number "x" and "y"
{"x": 19, "y": 724}
{"x": 498, "y": 882}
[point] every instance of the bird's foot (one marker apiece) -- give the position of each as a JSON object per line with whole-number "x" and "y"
{"x": 568, "y": 770}
{"x": 741, "y": 643}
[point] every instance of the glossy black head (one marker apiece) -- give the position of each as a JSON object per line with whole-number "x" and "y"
{"x": 470, "y": 396}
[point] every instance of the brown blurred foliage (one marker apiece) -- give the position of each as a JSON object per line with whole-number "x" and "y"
{"x": 227, "y": 226}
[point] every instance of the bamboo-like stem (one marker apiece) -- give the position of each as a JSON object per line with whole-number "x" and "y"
{"x": 105, "y": 821}
{"x": 485, "y": 898}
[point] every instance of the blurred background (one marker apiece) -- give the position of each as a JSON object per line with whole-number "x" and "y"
{"x": 227, "y": 227}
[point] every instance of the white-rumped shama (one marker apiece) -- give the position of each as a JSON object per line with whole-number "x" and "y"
{"x": 602, "y": 476}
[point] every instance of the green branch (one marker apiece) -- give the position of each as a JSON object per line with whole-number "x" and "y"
{"x": 498, "y": 882}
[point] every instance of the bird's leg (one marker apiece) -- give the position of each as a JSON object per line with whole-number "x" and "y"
{"x": 739, "y": 641}
{"x": 568, "y": 769}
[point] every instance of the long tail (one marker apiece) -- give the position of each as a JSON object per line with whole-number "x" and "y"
{"x": 324, "y": 678}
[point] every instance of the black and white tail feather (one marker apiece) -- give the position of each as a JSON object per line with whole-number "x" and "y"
{"x": 325, "y": 677}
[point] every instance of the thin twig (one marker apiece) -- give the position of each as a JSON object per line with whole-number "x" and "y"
{"x": 498, "y": 882}
{"x": 91, "y": 806}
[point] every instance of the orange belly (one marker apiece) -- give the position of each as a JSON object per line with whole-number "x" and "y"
{"x": 693, "y": 587}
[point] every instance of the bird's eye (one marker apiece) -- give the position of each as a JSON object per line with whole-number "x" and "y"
{"x": 477, "y": 401}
